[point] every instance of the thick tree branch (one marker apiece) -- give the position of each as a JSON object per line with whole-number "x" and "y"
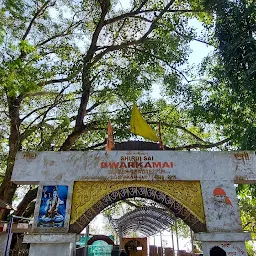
{"x": 31, "y": 195}
{"x": 39, "y": 12}
{"x": 167, "y": 63}
{"x": 133, "y": 14}
{"x": 196, "y": 145}
{"x": 112, "y": 48}
{"x": 200, "y": 146}
{"x": 49, "y": 106}
{"x": 86, "y": 83}
{"x": 66, "y": 32}
{"x": 134, "y": 42}
{"x": 159, "y": 16}
{"x": 78, "y": 130}
{"x": 180, "y": 128}
{"x": 95, "y": 105}
{"x": 96, "y": 145}
{"x": 104, "y": 7}
{"x": 192, "y": 38}
{"x": 54, "y": 81}
{"x": 141, "y": 5}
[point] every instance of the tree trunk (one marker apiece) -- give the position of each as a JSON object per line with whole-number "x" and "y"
{"x": 79, "y": 126}
{"x": 8, "y": 188}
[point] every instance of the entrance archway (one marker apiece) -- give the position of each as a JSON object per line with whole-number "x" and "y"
{"x": 217, "y": 251}
{"x": 96, "y": 179}
{"x": 100, "y": 237}
{"x": 183, "y": 198}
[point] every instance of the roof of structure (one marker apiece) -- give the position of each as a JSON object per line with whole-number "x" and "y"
{"x": 147, "y": 220}
{"x": 138, "y": 145}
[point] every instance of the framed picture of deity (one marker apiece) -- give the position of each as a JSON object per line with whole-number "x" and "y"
{"x": 52, "y": 208}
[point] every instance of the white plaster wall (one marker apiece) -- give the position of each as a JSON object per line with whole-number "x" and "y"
{"x": 74, "y": 166}
{"x": 244, "y": 166}
{"x": 51, "y": 249}
{"x": 221, "y": 216}
{"x": 51, "y": 244}
{"x": 3, "y": 241}
{"x": 231, "y": 248}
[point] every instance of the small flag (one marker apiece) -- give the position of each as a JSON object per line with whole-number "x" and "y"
{"x": 140, "y": 127}
{"x": 110, "y": 141}
{"x": 161, "y": 146}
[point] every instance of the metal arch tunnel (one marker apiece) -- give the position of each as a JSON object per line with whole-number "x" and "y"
{"x": 146, "y": 220}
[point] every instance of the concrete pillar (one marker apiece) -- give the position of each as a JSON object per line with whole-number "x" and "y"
{"x": 120, "y": 235}
{"x": 87, "y": 235}
{"x": 161, "y": 243}
{"x": 231, "y": 243}
{"x": 176, "y": 231}
{"x": 192, "y": 242}
{"x": 51, "y": 244}
{"x": 221, "y": 206}
{"x": 222, "y": 217}
{"x": 4, "y": 245}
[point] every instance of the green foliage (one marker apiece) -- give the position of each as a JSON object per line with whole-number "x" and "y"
{"x": 249, "y": 248}
{"x": 247, "y": 202}
{"x": 67, "y": 67}
{"x": 227, "y": 97}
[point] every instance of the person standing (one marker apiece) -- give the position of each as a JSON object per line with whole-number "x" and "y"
{"x": 123, "y": 253}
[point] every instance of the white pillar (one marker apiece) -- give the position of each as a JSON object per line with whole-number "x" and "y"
{"x": 222, "y": 217}
{"x": 172, "y": 239}
{"x": 51, "y": 244}
{"x": 161, "y": 243}
{"x": 120, "y": 234}
{"x": 176, "y": 231}
{"x": 192, "y": 241}
{"x": 231, "y": 243}
{"x": 86, "y": 235}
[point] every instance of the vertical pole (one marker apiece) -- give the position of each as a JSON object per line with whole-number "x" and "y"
{"x": 172, "y": 239}
{"x": 87, "y": 236}
{"x": 192, "y": 242}
{"x": 177, "y": 237}
{"x": 120, "y": 238}
{"x": 154, "y": 245}
{"x": 161, "y": 243}
{"x": 8, "y": 237}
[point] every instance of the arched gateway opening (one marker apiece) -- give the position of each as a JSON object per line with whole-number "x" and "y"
{"x": 197, "y": 187}
{"x": 217, "y": 251}
{"x": 184, "y": 199}
{"x": 100, "y": 237}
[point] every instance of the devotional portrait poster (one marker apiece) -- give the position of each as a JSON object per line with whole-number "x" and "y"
{"x": 52, "y": 210}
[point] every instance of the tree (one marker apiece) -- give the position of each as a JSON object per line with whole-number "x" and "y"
{"x": 67, "y": 67}
{"x": 228, "y": 92}
{"x": 30, "y": 41}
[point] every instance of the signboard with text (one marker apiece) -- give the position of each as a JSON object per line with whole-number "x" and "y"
{"x": 30, "y": 168}
{"x": 138, "y": 167}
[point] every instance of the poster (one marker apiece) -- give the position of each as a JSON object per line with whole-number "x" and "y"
{"x": 52, "y": 209}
